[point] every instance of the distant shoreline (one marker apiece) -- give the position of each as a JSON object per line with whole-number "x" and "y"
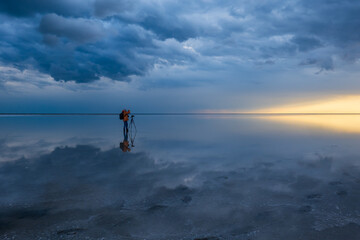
{"x": 171, "y": 114}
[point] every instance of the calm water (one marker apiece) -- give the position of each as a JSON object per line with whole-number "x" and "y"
{"x": 181, "y": 177}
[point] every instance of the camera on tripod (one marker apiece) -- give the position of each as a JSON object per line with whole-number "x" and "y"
{"x": 132, "y": 123}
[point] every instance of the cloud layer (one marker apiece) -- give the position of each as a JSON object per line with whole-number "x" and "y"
{"x": 83, "y": 41}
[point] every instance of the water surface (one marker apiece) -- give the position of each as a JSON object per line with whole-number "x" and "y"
{"x": 181, "y": 177}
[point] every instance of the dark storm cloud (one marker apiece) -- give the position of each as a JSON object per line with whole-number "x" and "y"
{"x": 86, "y": 40}
{"x": 165, "y": 19}
{"x": 81, "y": 30}
{"x": 85, "y": 63}
{"x": 75, "y": 53}
{"x": 28, "y": 8}
{"x": 104, "y": 8}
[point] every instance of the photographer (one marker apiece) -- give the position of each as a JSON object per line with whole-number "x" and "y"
{"x": 126, "y": 119}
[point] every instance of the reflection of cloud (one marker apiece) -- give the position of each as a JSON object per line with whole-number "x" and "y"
{"x": 87, "y": 192}
{"x": 13, "y": 148}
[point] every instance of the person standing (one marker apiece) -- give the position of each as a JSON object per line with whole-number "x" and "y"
{"x": 126, "y": 119}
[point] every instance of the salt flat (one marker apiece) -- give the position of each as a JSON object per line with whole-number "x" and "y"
{"x": 185, "y": 177}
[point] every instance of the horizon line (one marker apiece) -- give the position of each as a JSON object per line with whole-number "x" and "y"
{"x": 175, "y": 114}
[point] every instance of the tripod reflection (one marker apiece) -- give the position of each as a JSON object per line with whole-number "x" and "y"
{"x": 124, "y": 145}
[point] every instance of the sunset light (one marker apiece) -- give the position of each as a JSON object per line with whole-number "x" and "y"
{"x": 337, "y": 114}
{"x": 342, "y": 104}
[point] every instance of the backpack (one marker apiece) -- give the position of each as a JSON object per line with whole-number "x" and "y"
{"x": 121, "y": 116}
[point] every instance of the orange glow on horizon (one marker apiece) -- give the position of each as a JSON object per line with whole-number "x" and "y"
{"x": 343, "y": 104}
{"x": 340, "y": 123}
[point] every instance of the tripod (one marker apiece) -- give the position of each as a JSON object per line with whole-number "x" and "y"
{"x": 132, "y": 131}
{"x": 132, "y": 124}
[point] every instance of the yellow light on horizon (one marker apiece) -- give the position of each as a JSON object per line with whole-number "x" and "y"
{"x": 338, "y": 123}
{"x": 343, "y": 104}
{"x": 339, "y": 105}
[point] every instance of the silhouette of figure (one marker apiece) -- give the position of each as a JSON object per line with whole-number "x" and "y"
{"x": 126, "y": 119}
{"x": 124, "y": 145}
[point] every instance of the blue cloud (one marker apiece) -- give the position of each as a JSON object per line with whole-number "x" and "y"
{"x": 83, "y": 41}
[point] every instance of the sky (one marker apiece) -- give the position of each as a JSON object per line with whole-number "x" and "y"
{"x": 176, "y": 56}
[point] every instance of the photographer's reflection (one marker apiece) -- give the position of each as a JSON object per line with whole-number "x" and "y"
{"x": 124, "y": 145}
{"x": 130, "y": 132}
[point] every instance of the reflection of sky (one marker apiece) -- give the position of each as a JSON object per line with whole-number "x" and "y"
{"x": 187, "y": 176}
{"x": 183, "y": 135}
{"x": 349, "y": 124}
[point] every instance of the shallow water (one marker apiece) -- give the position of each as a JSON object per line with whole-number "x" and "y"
{"x": 185, "y": 177}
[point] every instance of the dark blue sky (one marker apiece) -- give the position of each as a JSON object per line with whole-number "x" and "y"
{"x": 153, "y": 55}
